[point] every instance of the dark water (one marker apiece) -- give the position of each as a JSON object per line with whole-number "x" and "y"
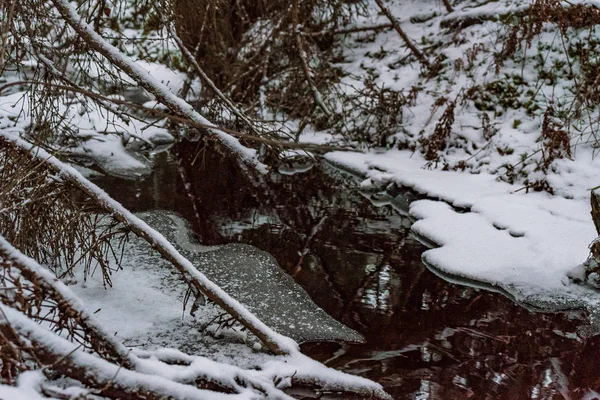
{"x": 426, "y": 338}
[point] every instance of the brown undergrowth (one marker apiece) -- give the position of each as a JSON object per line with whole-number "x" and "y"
{"x": 437, "y": 142}
{"x": 52, "y": 222}
{"x": 254, "y": 48}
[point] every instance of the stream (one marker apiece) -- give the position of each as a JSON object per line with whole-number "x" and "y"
{"x": 354, "y": 254}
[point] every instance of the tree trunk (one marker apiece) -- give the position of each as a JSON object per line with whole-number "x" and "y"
{"x": 595, "y": 200}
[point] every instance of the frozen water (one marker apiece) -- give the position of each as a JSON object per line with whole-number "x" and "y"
{"x": 254, "y": 278}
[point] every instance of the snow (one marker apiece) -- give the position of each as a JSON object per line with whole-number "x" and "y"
{"x": 61, "y": 289}
{"x": 103, "y": 371}
{"x": 482, "y": 229}
{"x": 103, "y": 132}
{"x": 294, "y": 364}
{"x": 158, "y": 241}
{"x": 488, "y": 231}
{"x": 251, "y": 276}
{"x": 141, "y": 313}
{"x": 150, "y": 83}
{"x": 27, "y": 387}
{"x": 173, "y": 80}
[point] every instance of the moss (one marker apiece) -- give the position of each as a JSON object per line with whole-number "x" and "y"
{"x": 531, "y": 107}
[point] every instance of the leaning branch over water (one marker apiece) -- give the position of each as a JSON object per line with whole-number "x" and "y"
{"x": 108, "y": 379}
{"x": 276, "y": 343}
{"x": 175, "y": 104}
{"x": 157, "y": 113}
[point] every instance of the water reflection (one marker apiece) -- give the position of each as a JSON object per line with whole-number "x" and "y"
{"x": 426, "y": 338}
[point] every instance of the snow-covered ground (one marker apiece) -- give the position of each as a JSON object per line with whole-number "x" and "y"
{"x": 525, "y": 242}
{"x": 484, "y": 229}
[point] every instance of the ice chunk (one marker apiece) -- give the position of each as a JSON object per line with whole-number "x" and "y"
{"x": 255, "y": 279}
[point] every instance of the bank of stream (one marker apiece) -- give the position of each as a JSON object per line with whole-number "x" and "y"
{"x": 356, "y": 257}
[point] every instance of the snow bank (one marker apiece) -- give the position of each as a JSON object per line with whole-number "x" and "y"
{"x": 488, "y": 230}
{"x": 102, "y": 132}
{"x": 28, "y": 385}
{"x": 522, "y": 244}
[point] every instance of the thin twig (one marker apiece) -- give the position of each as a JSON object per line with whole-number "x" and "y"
{"x": 162, "y": 114}
{"x": 303, "y": 58}
{"x": 396, "y": 25}
{"x": 4, "y": 35}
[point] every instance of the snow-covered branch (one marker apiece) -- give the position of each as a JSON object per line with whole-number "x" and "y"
{"x": 160, "y": 91}
{"x": 277, "y": 343}
{"x": 157, "y": 113}
{"x": 69, "y": 306}
{"x": 166, "y": 363}
{"x": 109, "y": 380}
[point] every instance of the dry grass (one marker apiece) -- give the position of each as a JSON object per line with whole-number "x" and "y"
{"x": 530, "y": 25}
{"x": 372, "y": 113}
{"x": 437, "y": 142}
{"x": 34, "y": 296}
{"x": 555, "y": 140}
{"x": 52, "y": 222}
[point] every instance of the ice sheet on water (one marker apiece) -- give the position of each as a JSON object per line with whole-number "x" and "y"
{"x": 255, "y": 279}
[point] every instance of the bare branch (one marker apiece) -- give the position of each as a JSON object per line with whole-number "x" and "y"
{"x": 108, "y": 379}
{"x": 352, "y": 30}
{"x": 275, "y": 342}
{"x": 6, "y": 23}
{"x": 68, "y": 305}
{"x": 175, "y": 104}
{"x": 448, "y": 5}
{"x": 396, "y": 25}
{"x": 316, "y": 148}
{"x": 308, "y": 75}
{"x": 205, "y": 78}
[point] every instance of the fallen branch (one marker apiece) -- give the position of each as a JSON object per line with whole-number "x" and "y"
{"x": 379, "y": 27}
{"x": 396, "y": 25}
{"x": 317, "y": 148}
{"x": 464, "y": 19}
{"x": 109, "y": 380}
{"x": 167, "y": 363}
{"x": 69, "y": 306}
{"x": 187, "y": 369}
{"x": 175, "y": 104}
{"x": 277, "y": 343}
